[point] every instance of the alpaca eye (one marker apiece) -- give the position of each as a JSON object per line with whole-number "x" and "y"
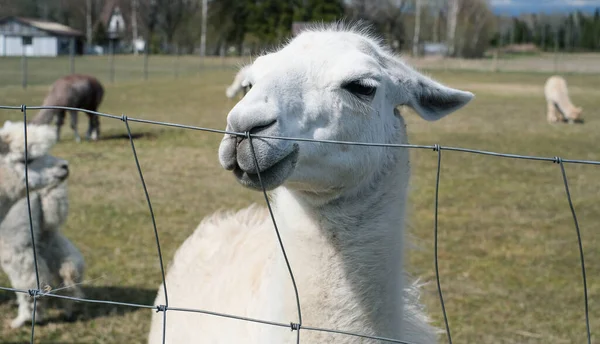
{"x": 359, "y": 89}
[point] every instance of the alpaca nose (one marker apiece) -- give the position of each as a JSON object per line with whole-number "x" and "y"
{"x": 64, "y": 166}
{"x": 262, "y": 128}
{"x": 250, "y": 121}
{"x": 254, "y": 114}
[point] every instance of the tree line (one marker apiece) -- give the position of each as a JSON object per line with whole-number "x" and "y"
{"x": 571, "y": 32}
{"x": 466, "y": 27}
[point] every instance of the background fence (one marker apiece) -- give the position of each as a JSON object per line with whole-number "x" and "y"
{"x": 111, "y": 68}
{"x": 27, "y": 71}
{"x": 39, "y": 291}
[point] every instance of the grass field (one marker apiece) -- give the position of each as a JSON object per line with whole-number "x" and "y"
{"x": 508, "y": 255}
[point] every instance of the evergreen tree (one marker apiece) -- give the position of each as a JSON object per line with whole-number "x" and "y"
{"x": 319, "y": 10}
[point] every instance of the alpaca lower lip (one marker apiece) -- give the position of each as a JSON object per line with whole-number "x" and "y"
{"x": 270, "y": 177}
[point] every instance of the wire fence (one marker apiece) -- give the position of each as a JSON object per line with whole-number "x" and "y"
{"x": 297, "y": 325}
{"x": 27, "y": 71}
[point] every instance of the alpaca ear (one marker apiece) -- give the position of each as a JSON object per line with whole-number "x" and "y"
{"x": 430, "y": 99}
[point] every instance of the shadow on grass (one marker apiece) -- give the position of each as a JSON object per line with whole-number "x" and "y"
{"x": 133, "y": 295}
{"x": 7, "y": 297}
{"x": 143, "y": 135}
{"x": 89, "y": 310}
{"x": 149, "y": 135}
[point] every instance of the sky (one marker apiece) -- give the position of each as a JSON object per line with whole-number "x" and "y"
{"x": 514, "y": 7}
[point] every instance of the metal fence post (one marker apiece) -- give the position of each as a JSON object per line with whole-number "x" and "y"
{"x": 176, "y": 62}
{"x": 24, "y": 69}
{"x": 72, "y": 55}
{"x": 146, "y": 62}
{"x": 111, "y": 52}
{"x": 222, "y": 53}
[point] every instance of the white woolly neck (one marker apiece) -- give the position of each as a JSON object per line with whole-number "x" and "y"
{"x": 363, "y": 230}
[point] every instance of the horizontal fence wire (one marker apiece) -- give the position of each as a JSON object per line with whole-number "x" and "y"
{"x": 294, "y": 326}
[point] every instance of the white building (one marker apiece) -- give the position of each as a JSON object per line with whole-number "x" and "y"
{"x": 113, "y": 19}
{"x": 36, "y": 37}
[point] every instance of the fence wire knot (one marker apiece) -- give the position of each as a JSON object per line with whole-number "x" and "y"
{"x": 436, "y": 147}
{"x": 295, "y": 326}
{"x": 123, "y": 118}
{"x": 557, "y": 160}
{"x": 23, "y": 107}
{"x": 34, "y": 292}
{"x": 161, "y": 308}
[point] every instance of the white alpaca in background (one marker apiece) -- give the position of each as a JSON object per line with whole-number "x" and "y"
{"x": 43, "y": 170}
{"x": 60, "y": 264}
{"x": 559, "y": 105}
{"x": 340, "y": 208}
{"x": 240, "y": 83}
{"x": 58, "y": 259}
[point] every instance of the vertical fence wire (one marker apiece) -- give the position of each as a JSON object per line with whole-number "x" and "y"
{"x": 160, "y": 258}
{"x": 559, "y": 161}
{"x": 33, "y": 293}
{"x": 294, "y": 326}
{"x": 438, "y": 149}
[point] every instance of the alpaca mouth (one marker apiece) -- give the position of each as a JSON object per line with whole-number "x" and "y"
{"x": 272, "y": 176}
{"x": 64, "y": 175}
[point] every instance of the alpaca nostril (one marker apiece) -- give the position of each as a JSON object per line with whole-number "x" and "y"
{"x": 65, "y": 166}
{"x": 260, "y": 128}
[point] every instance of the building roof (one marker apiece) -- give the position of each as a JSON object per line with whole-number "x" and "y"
{"x": 45, "y": 25}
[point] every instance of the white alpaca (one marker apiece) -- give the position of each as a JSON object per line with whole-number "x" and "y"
{"x": 340, "y": 208}
{"x": 557, "y": 98}
{"x": 240, "y": 83}
{"x": 60, "y": 264}
{"x": 43, "y": 170}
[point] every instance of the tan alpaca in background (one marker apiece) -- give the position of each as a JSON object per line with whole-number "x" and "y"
{"x": 557, "y": 98}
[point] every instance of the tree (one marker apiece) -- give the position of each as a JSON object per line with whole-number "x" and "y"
{"x": 99, "y": 36}
{"x": 417, "y": 32}
{"x": 454, "y": 6}
{"x": 387, "y": 17}
{"x": 229, "y": 20}
{"x": 475, "y": 27}
{"x": 171, "y": 14}
{"x": 148, "y": 14}
{"x": 319, "y": 10}
{"x": 134, "y": 23}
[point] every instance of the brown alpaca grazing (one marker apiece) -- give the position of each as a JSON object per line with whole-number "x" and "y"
{"x": 77, "y": 91}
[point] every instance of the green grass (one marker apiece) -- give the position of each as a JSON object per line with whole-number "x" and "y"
{"x": 509, "y": 262}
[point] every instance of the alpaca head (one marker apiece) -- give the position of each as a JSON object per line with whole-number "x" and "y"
{"x": 576, "y": 114}
{"x": 327, "y": 84}
{"x": 43, "y": 170}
